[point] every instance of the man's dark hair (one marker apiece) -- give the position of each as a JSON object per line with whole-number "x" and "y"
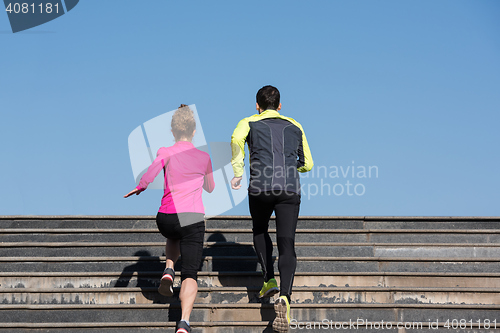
{"x": 268, "y": 97}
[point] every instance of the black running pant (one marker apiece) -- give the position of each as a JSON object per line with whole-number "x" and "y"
{"x": 191, "y": 241}
{"x": 286, "y": 208}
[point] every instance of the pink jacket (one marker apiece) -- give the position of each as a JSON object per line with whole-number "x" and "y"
{"x": 186, "y": 171}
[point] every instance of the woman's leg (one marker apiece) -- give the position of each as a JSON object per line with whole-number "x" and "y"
{"x": 189, "y": 289}
{"x": 169, "y": 227}
{"x": 191, "y": 246}
{"x": 172, "y": 252}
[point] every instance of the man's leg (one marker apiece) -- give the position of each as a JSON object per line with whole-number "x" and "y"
{"x": 261, "y": 208}
{"x": 287, "y": 213}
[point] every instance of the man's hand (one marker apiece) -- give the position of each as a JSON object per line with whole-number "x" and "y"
{"x": 236, "y": 183}
{"x": 134, "y": 191}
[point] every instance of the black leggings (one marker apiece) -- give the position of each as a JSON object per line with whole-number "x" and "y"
{"x": 191, "y": 242}
{"x": 286, "y": 207}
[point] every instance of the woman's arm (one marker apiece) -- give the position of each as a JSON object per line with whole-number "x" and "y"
{"x": 150, "y": 175}
{"x": 134, "y": 191}
{"x": 208, "y": 179}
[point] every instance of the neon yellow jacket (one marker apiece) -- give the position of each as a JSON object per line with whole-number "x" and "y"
{"x": 278, "y": 150}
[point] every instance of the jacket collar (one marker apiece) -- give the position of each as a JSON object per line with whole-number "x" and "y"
{"x": 270, "y": 112}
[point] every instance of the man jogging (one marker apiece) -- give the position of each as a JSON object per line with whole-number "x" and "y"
{"x": 278, "y": 151}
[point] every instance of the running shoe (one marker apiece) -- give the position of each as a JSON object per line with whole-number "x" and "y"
{"x": 167, "y": 282}
{"x": 281, "y": 323}
{"x": 269, "y": 289}
{"x": 183, "y": 327}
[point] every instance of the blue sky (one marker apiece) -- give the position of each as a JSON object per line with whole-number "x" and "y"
{"x": 409, "y": 88}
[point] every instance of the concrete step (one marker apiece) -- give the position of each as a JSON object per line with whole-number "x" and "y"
{"x": 138, "y": 327}
{"x": 254, "y": 327}
{"x": 252, "y": 313}
{"x": 84, "y": 249}
{"x": 248, "y": 279}
{"x": 249, "y": 264}
{"x": 245, "y": 295}
{"x": 245, "y": 235}
{"x": 230, "y": 222}
{"x": 376, "y": 268}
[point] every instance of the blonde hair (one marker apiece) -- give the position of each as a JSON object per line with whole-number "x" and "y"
{"x": 183, "y": 122}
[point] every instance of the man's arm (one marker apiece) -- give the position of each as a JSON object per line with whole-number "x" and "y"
{"x": 238, "y": 147}
{"x": 305, "y": 158}
{"x": 236, "y": 183}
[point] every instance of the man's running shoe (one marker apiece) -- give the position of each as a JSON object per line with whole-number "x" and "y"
{"x": 269, "y": 289}
{"x": 167, "y": 282}
{"x": 183, "y": 327}
{"x": 281, "y": 323}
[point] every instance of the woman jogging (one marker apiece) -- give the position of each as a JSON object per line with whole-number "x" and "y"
{"x": 187, "y": 171}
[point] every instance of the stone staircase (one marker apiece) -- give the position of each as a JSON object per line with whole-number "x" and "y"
{"x": 100, "y": 274}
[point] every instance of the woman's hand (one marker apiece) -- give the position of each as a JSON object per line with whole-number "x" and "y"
{"x": 134, "y": 191}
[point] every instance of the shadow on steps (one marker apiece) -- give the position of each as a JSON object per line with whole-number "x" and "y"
{"x": 224, "y": 260}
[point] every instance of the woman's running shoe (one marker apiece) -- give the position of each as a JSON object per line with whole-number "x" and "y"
{"x": 183, "y": 327}
{"x": 167, "y": 282}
